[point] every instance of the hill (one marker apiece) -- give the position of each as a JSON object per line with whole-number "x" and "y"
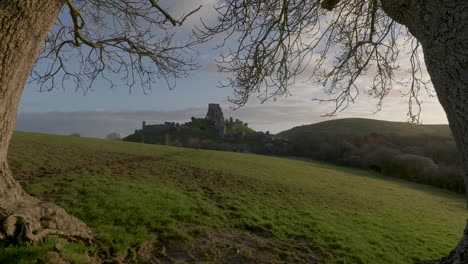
{"x": 420, "y": 153}
{"x": 151, "y": 203}
{"x": 366, "y": 126}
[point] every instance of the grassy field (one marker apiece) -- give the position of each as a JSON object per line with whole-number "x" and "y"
{"x": 158, "y": 204}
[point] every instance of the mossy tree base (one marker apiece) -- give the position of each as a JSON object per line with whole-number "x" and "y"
{"x": 27, "y": 219}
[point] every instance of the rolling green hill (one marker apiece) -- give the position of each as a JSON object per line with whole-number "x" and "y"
{"x": 365, "y": 126}
{"x": 160, "y": 204}
{"x": 420, "y": 153}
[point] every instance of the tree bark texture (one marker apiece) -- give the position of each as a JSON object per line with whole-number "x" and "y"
{"x": 24, "y": 25}
{"x": 442, "y": 29}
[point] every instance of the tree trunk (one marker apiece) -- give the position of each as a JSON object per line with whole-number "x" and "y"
{"x": 24, "y": 25}
{"x": 442, "y": 29}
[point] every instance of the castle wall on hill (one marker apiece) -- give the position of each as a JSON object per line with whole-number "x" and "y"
{"x": 160, "y": 127}
{"x": 156, "y": 128}
{"x": 236, "y": 122}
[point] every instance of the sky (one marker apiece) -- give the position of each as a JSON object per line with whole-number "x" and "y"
{"x": 103, "y": 110}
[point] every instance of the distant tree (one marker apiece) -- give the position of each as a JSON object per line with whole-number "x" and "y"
{"x": 378, "y": 157}
{"x": 113, "y": 136}
{"x": 167, "y": 140}
{"x": 193, "y": 142}
{"x": 74, "y": 134}
{"x": 414, "y": 165}
{"x": 327, "y": 151}
{"x": 177, "y": 143}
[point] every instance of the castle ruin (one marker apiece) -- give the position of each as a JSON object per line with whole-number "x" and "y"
{"x": 216, "y": 117}
{"x": 232, "y": 134}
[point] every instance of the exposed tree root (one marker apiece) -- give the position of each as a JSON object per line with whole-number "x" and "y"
{"x": 24, "y": 218}
{"x": 31, "y": 222}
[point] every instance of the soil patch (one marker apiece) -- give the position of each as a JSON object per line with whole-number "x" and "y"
{"x": 229, "y": 246}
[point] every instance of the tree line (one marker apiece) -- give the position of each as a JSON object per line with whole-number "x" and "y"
{"x": 427, "y": 159}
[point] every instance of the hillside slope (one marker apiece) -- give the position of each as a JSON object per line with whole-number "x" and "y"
{"x": 150, "y": 203}
{"x": 421, "y": 153}
{"x": 365, "y": 126}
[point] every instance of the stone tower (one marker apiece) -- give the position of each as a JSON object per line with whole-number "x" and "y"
{"x": 216, "y": 117}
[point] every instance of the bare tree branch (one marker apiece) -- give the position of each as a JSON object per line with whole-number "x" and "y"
{"x": 279, "y": 41}
{"x": 114, "y": 40}
{"x": 173, "y": 21}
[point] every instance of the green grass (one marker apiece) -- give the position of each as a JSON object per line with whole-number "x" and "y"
{"x": 236, "y": 129}
{"x": 131, "y": 193}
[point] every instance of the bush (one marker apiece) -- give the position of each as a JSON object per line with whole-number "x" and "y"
{"x": 379, "y": 158}
{"x": 413, "y": 167}
{"x": 113, "y": 136}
